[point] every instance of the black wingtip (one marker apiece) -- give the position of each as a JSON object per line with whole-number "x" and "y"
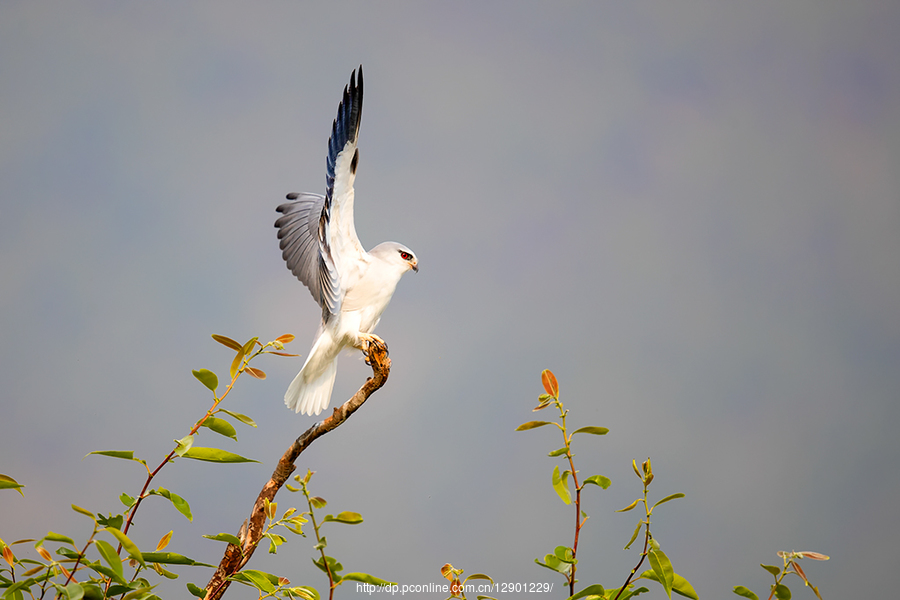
{"x": 356, "y": 94}
{"x": 293, "y": 196}
{"x": 345, "y": 127}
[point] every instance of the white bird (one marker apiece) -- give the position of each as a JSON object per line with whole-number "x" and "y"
{"x": 320, "y": 246}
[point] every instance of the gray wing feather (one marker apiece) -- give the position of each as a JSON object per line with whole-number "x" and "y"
{"x": 302, "y": 231}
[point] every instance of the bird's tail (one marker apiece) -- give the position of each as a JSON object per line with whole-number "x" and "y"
{"x": 310, "y": 391}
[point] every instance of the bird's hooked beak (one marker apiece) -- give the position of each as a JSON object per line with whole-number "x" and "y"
{"x": 414, "y": 265}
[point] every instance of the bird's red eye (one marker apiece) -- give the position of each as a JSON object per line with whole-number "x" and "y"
{"x": 405, "y": 255}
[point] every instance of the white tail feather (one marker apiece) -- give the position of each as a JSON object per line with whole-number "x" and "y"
{"x": 311, "y": 397}
{"x": 310, "y": 391}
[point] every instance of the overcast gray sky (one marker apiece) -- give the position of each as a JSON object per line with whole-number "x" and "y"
{"x": 689, "y": 211}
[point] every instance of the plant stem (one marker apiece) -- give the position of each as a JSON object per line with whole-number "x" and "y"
{"x": 80, "y": 556}
{"x": 312, "y": 517}
{"x": 578, "y": 521}
{"x": 647, "y": 537}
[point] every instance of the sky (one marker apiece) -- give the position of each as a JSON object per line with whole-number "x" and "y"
{"x": 688, "y": 211}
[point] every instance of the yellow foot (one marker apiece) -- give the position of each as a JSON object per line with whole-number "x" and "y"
{"x": 369, "y": 341}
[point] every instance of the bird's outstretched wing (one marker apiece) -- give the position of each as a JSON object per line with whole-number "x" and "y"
{"x": 317, "y": 233}
{"x": 298, "y": 230}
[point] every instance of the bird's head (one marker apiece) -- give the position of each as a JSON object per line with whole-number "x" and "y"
{"x": 397, "y": 254}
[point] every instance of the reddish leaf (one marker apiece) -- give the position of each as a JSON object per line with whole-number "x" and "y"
{"x": 285, "y": 339}
{"x": 259, "y": 374}
{"x": 163, "y": 541}
{"x": 550, "y": 383}
{"x": 800, "y": 572}
{"x": 8, "y": 555}
{"x": 226, "y": 341}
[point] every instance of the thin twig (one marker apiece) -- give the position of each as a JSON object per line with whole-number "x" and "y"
{"x": 647, "y": 536}
{"x": 237, "y": 556}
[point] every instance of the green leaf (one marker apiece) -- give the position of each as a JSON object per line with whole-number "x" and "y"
{"x": 242, "y": 418}
{"x": 82, "y": 511}
{"x": 226, "y": 341}
{"x": 196, "y": 590}
{"x": 74, "y": 591}
{"x": 126, "y": 454}
{"x": 637, "y": 530}
{"x": 258, "y": 579}
{"x": 599, "y": 480}
{"x": 109, "y": 555}
{"x": 58, "y": 537}
{"x": 666, "y": 499}
{"x": 13, "y": 590}
{"x": 560, "y": 485}
{"x": 680, "y": 585}
{"x": 554, "y": 564}
{"x": 224, "y": 537}
{"x": 140, "y": 592}
{"x": 632, "y": 593}
{"x": 215, "y": 455}
{"x": 275, "y": 540}
{"x": 106, "y": 571}
{"x": 744, "y": 592}
{"x": 592, "y": 430}
{"x": 8, "y": 483}
{"x": 318, "y": 502}
{"x": 130, "y": 547}
{"x": 127, "y": 500}
{"x": 236, "y": 363}
{"x": 630, "y": 506}
{"x": 207, "y": 378}
{"x": 165, "y": 573}
{"x": 366, "y": 578}
{"x": 559, "y": 452}
{"x": 304, "y": 592}
{"x": 171, "y": 558}
{"x": 350, "y": 518}
{"x": 771, "y": 569}
{"x": 479, "y": 576}
{"x": 564, "y": 554}
{"x": 221, "y": 426}
{"x": 177, "y": 501}
{"x": 248, "y": 347}
{"x": 591, "y": 590}
{"x": 782, "y": 592}
{"x": 663, "y": 570}
{"x": 183, "y": 445}
{"x": 333, "y": 565}
{"x": 532, "y": 425}
{"x": 683, "y": 587}
{"x": 115, "y": 522}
